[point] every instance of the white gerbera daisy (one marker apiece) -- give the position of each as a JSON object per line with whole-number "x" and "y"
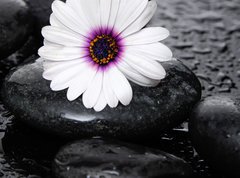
{"x": 93, "y": 46}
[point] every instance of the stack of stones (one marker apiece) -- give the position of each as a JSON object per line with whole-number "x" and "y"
{"x": 110, "y": 143}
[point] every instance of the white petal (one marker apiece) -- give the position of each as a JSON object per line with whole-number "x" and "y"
{"x": 68, "y": 17}
{"x": 51, "y": 69}
{"x": 62, "y": 80}
{"x": 142, "y": 20}
{"x": 110, "y": 96}
{"x": 90, "y": 9}
{"x": 41, "y": 60}
{"x": 80, "y": 83}
{"x": 101, "y": 103}
{"x": 56, "y": 23}
{"x": 135, "y": 76}
{"x": 129, "y": 11}
{"x": 147, "y": 67}
{"x": 63, "y": 37}
{"x": 120, "y": 86}
{"x": 92, "y": 93}
{"x": 78, "y": 8}
{"x": 156, "y": 51}
{"x": 147, "y": 35}
{"x": 61, "y": 53}
{"x": 48, "y": 43}
{"x": 105, "y": 9}
{"x": 49, "y": 64}
{"x": 114, "y": 11}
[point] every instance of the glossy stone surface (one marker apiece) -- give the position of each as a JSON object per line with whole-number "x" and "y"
{"x": 215, "y": 131}
{"x": 15, "y": 21}
{"x": 104, "y": 158}
{"x": 152, "y": 110}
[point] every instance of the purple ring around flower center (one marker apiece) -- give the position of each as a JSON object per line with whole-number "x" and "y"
{"x": 104, "y": 47}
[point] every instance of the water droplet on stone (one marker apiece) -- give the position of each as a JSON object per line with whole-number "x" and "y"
{"x": 224, "y": 90}
{"x": 212, "y": 67}
{"x": 211, "y": 88}
{"x": 228, "y": 136}
{"x": 204, "y": 77}
{"x": 182, "y": 45}
{"x": 238, "y": 73}
{"x": 221, "y": 76}
{"x": 202, "y": 50}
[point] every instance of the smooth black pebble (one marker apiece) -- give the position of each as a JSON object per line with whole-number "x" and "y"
{"x": 215, "y": 131}
{"x": 151, "y": 112}
{"x": 108, "y": 158}
{"x": 15, "y": 25}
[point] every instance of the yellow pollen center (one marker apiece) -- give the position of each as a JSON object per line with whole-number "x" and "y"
{"x": 103, "y": 49}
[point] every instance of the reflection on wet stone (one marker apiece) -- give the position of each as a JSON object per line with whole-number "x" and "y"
{"x": 116, "y": 159}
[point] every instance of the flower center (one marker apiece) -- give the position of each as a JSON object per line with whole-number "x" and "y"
{"x": 103, "y": 49}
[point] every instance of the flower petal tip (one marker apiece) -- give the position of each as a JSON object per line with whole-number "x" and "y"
{"x": 70, "y": 98}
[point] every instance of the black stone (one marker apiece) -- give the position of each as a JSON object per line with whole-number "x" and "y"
{"x": 15, "y": 25}
{"x": 41, "y": 10}
{"x": 106, "y": 158}
{"x": 215, "y": 131}
{"x": 33, "y": 151}
{"x": 24, "y": 54}
{"x": 152, "y": 110}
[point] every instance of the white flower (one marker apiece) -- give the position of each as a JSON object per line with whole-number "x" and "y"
{"x": 93, "y": 46}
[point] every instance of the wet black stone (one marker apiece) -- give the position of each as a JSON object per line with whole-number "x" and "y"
{"x": 23, "y": 55}
{"x": 15, "y": 25}
{"x": 41, "y": 10}
{"x": 105, "y": 158}
{"x": 152, "y": 110}
{"x": 215, "y": 131}
{"x": 32, "y": 151}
